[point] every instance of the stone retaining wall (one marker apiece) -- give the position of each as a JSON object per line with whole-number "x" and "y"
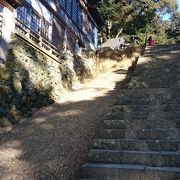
{"x": 30, "y": 79}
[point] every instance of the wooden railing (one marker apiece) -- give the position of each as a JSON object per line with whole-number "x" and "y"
{"x": 36, "y": 38}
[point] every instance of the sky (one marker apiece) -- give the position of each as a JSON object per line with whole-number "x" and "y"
{"x": 167, "y": 16}
{"x": 178, "y": 4}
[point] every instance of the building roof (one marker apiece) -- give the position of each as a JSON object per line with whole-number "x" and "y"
{"x": 113, "y": 43}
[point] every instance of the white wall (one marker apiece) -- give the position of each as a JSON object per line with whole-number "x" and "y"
{"x": 7, "y": 28}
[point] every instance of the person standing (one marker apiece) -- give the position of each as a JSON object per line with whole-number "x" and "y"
{"x": 151, "y": 41}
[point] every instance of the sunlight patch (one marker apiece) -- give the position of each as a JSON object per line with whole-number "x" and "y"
{"x": 9, "y": 154}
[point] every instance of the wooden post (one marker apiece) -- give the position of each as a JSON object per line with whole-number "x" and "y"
{"x": 40, "y": 41}
{"x": 65, "y": 40}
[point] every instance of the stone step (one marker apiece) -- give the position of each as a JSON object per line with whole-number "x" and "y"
{"x": 149, "y": 91}
{"x": 140, "y": 139}
{"x": 149, "y": 158}
{"x": 170, "y": 107}
{"x": 137, "y": 145}
{"x": 147, "y": 96}
{"x": 140, "y": 124}
{"x": 101, "y": 171}
{"x": 162, "y": 83}
{"x": 141, "y": 134}
{"x": 147, "y": 108}
{"x": 167, "y": 69}
{"x": 86, "y": 179}
{"x": 159, "y": 79}
{"x": 140, "y": 93}
{"x": 152, "y": 115}
{"x": 145, "y": 101}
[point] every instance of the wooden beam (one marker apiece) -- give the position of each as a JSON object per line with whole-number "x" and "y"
{"x": 15, "y": 3}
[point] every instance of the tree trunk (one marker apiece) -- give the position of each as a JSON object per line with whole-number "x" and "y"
{"x": 120, "y": 31}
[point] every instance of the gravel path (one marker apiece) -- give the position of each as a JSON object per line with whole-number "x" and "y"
{"x": 55, "y": 141}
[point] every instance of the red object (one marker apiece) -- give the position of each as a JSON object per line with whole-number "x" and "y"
{"x": 151, "y": 41}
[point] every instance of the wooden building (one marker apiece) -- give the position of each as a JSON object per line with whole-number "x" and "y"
{"x": 55, "y": 24}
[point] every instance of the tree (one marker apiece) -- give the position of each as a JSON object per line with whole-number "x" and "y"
{"x": 130, "y": 16}
{"x": 174, "y": 29}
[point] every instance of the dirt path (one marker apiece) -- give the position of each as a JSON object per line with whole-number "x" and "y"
{"x": 55, "y": 141}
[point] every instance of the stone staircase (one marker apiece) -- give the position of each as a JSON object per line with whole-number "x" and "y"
{"x": 140, "y": 139}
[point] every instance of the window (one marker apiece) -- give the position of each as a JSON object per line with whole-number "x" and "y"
{"x": 79, "y": 16}
{"x": 29, "y": 19}
{"x": 23, "y": 14}
{"x": 68, "y": 7}
{"x": 29, "y": 1}
{"x": 35, "y": 23}
{"x": 75, "y": 10}
{"x": 1, "y": 8}
{"x": 63, "y": 3}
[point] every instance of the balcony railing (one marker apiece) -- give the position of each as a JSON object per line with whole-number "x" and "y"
{"x": 36, "y": 37}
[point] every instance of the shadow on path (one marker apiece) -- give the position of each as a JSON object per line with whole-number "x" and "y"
{"x": 55, "y": 141}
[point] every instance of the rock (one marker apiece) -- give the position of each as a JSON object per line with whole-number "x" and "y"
{"x": 3, "y": 111}
{"x": 17, "y": 85}
{"x": 4, "y": 122}
{"x": 4, "y": 74}
{"x": 29, "y": 114}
